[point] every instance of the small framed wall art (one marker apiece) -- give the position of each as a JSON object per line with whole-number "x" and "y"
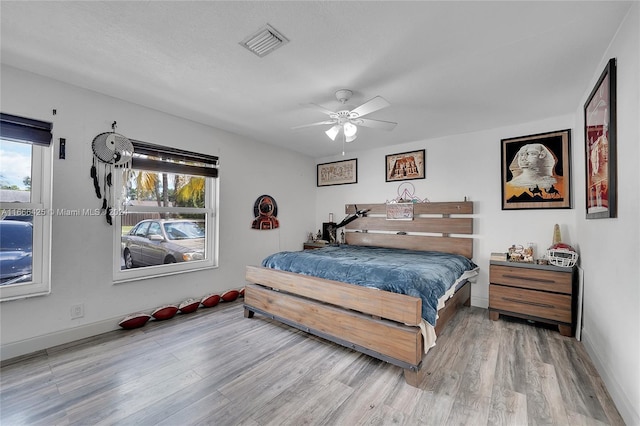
{"x": 405, "y": 166}
{"x": 600, "y": 146}
{"x": 338, "y": 173}
{"x": 536, "y": 171}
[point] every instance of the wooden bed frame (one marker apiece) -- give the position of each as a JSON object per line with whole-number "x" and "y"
{"x": 378, "y": 323}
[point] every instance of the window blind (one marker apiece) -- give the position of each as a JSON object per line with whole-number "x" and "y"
{"x": 158, "y": 158}
{"x": 22, "y": 129}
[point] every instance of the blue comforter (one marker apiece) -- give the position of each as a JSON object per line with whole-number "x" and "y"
{"x": 424, "y": 274}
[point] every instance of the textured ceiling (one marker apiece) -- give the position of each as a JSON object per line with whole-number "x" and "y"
{"x": 445, "y": 67}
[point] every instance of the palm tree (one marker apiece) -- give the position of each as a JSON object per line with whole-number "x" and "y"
{"x": 147, "y": 182}
{"x": 188, "y": 192}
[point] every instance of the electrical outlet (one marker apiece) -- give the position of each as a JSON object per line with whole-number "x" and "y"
{"x": 77, "y": 311}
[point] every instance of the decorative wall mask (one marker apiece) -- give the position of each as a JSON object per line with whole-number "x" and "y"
{"x": 265, "y": 210}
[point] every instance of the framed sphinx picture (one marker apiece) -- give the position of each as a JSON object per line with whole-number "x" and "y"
{"x": 600, "y": 146}
{"x": 536, "y": 171}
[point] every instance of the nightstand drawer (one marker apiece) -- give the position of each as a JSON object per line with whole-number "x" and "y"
{"x": 537, "y": 279}
{"x": 556, "y": 307}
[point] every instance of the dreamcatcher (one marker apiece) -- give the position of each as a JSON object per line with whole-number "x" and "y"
{"x": 110, "y": 149}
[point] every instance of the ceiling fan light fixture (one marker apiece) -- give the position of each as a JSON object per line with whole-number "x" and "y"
{"x": 333, "y": 132}
{"x": 348, "y": 120}
{"x": 350, "y": 129}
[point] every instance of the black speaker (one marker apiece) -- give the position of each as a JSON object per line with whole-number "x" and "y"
{"x": 329, "y": 231}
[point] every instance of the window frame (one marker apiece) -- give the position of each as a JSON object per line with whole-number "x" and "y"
{"x": 40, "y": 205}
{"x": 161, "y": 165}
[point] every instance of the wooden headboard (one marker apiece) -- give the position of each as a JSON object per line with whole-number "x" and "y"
{"x": 435, "y": 226}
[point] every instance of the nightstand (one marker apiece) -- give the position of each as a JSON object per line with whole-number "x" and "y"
{"x": 544, "y": 293}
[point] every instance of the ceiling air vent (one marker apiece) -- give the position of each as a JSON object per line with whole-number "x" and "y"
{"x": 264, "y": 41}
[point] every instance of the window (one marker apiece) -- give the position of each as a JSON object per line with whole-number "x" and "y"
{"x": 166, "y": 216}
{"x": 25, "y": 202}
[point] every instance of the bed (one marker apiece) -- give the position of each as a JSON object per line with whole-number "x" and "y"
{"x": 386, "y": 325}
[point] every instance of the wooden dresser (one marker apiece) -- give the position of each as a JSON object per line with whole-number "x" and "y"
{"x": 543, "y": 293}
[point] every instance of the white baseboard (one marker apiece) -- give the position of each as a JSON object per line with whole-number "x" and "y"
{"x": 480, "y": 302}
{"x": 39, "y": 343}
{"x": 627, "y": 409}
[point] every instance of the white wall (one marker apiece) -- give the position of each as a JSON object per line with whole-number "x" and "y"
{"x": 81, "y": 265}
{"x": 459, "y": 166}
{"x": 611, "y": 247}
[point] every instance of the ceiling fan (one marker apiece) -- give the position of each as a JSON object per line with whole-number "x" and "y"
{"x": 347, "y": 122}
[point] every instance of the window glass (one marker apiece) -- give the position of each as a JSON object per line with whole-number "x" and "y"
{"x": 185, "y": 230}
{"x": 16, "y": 229}
{"x": 141, "y": 229}
{"x": 24, "y": 219}
{"x": 154, "y": 229}
{"x": 166, "y": 224}
{"x": 15, "y": 174}
{"x": 16, "y": 249}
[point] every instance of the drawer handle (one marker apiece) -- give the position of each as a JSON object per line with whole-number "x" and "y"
{"x": 540, "y": 280}
{"x": 526, "y": 302}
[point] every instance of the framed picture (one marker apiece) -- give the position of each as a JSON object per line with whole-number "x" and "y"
{"x": 338, "y": 172}
{"x": 600, "y": 146}
{"x": 536, "y": 171}
{"x": 405, "y": 166}
{"x": 399, "y": 211}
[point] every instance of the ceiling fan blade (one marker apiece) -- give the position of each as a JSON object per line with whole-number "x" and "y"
{"x": 314, "y": 124}
{"x": 370, "y": 106}
{"x": 319, "y": 108}
{"x": 375, "y": 124}
{"x": 333, "y": 132}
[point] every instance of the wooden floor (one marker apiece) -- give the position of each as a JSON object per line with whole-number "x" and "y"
{"x": 216, "y": 367}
